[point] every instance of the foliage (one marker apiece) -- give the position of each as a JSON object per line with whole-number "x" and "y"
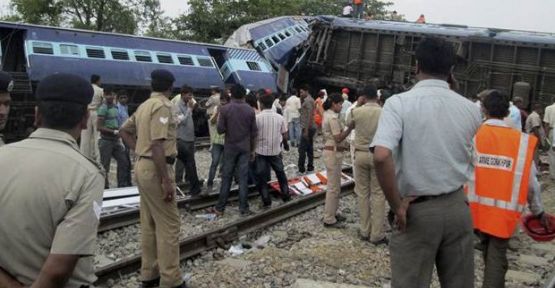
{"x": 100, "y": 15}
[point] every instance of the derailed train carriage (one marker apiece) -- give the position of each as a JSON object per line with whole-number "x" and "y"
{"x": 344, "y": 52}
{"x": 31, "y": 52}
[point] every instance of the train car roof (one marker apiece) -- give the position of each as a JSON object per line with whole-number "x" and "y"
{"x": 257, "y": 30}
{"x": 15, "y": 25}
{"x": 441, "y": 30}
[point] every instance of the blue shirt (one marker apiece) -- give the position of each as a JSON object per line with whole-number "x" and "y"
{"x": 123, "y": 114}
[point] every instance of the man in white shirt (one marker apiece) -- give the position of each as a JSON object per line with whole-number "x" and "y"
{"x": 292, "y": 116}
{"x": 549, "y": 122}
{"x": 347, "y": 10}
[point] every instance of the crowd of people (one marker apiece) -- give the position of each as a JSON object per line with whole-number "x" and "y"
{"x": 448, "y": 168}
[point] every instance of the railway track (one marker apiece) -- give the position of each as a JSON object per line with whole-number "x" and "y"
{"x": 220, "y": 237}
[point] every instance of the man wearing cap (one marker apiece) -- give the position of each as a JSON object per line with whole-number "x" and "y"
{"x": 50, "y": 216}
{"x": 6, "y": 85}
{"x": 89, "y": 136}
{"x": 151, "y": 132}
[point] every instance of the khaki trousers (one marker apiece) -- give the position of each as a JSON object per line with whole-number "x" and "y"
{"x": 160, "y": 225}
{"x": 371, "y": 204}
{"x": 89, "y": 138}
{"x": 333, "y": 161}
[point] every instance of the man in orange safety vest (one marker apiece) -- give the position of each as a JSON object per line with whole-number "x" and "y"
{"x": 498, "y": 192}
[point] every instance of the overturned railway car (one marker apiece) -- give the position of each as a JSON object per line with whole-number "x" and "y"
{"x": 31, "y": 52}
{"x": 345, "y": 52}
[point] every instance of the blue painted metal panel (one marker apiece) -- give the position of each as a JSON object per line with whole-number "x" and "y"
{"x": 119, "y": 72}
{"x": 272, "y": 27}
{"x": 253, "y": 80}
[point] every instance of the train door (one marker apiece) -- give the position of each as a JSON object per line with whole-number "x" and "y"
{"x": 219, "y": 56}
{"x": 13, "y": 50}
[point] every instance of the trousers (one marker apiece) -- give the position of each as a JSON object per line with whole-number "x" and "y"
{"x": 371, "y": 203}
{"x": 333, "y": 161}
{"x": 217, "y": 153}
{"x": 495, "y": 259}
{"x": 114, "y": 148}
{"x": 186, "y": 153}
{"x": 294, "y": 131}
{"x": 89, "y": 138}
{"x": 263, "y": 165}
{"x": 234, "y": 159}
{"x": 439, "y": 232}
{"x": 160, "y": 224}
{"x": 306, "y": 150}
{"x": 358, "y": 11}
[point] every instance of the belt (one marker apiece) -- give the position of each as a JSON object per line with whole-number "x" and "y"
{"x": 425, "y": 198}
{"x": 335, "y": 148}
{"x": 169, "y": 160}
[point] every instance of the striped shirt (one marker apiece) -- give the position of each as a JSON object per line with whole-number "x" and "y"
{"x": 270, "y": 128}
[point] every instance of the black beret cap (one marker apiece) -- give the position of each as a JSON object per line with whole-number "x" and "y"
{"x": 162, "y": 75}
{"x": 65, "y": 88}
{"x": 6, "y": 83}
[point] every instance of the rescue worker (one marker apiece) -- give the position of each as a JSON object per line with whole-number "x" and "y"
{"x": 50, "y": 216}
{"x": 6, "y": 86}
{"x": 499, "y": 189}
{"x": 334, "y": 146}
{"x": 371, "y": 203}
{"x": 429, "y": 130}
{"x": 154, "y": 126}
{"x": 89, "y": 136}
{"x": 358, "y": 9}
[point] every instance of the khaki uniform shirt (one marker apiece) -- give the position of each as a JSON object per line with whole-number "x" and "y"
{"x": 98, "y": 96}
{"x": 366, "y": 120}
{"x": 153, "y": 120}
{"x": 331, "y": 125}
{"x": 46, "y": 210}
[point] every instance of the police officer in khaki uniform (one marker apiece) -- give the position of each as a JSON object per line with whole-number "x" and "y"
{"x": 371, "y": 208}
{"x": 155, "y": 146}
{"x": 6, "y": 85}
{"x": 50, "y": 216}
{"x": 334, "y": 146}
{"x": 89, "y": 136}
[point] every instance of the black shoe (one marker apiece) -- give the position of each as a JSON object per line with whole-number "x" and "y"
{"x": 182, "y": 285}
{"x": 383, "y": 241}
{"x": 246, "y": 213}
{"x": 150, "y": 283}
{"x": 311, "y": 169}
{"x": 340, "y": 218}
{"x": 336, "y": 225}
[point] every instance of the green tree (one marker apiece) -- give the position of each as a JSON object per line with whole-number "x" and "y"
{"x": 128, "y": 16}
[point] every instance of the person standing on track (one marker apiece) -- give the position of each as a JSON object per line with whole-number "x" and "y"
{"x": 155, "y": 130}
{"x": 50, "y": 216}
{"x": 109, "y": 143}
{"x": 6, "y": 85}
{"x": 371, "y": 204}
{"x": 217, "y": 143}
{"x": 334, "y": 146}
{"x": 308, "y": 129}
{"x": 89, "y": 136}
{"x": 429, "y": 130}
{"x": 504, "y": 170}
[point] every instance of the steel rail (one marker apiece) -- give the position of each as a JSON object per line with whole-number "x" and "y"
{"x": 220, "y": 237}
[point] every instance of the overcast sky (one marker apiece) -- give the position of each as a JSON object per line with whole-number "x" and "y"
{"x": 533, "y": 15}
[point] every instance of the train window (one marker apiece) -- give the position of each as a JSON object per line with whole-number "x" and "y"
{"x": 164, "y": 58}
{"x": 186, "y": 60}
{"x": 269, "y": 43}
{"x": 142, "y": 56}
{"x": 262, "y": 46}
{"x": 298, "y": 29}
{"x": 287, "y": 34}
{"x": 205, "y": 62}
{"x": 281, "y": 36}
{"x": 95, "y": 52}
{"x": 253, "y": 66}
{"x": 66, "y": 49}
{"x": 43, "y": 48}
{"x": 276, "y": 39}
{"x": 120, "y": 55}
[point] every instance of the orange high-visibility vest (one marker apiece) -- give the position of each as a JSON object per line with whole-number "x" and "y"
{"x": 357, "y": 2}
{"x": 498, "y": 192}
